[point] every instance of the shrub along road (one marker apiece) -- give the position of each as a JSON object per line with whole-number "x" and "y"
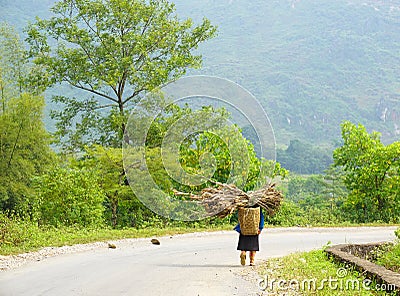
{"x": 190, "y": 264}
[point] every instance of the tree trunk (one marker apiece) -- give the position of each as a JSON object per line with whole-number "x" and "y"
{"x": 123, "y": 136}
{"x": 114, "y": 207}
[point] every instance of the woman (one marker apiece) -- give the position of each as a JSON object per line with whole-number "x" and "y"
{"x": 249, "y": 242}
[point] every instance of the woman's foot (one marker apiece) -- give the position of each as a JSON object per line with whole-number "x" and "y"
{"x": 252, "y": 256}
{"x": 243, "y": 258}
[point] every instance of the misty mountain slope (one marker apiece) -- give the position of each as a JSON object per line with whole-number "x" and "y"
{"x": 311, "y": 63}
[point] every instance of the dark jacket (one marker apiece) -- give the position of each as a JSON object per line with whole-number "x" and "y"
{"x": 261, "y": 226}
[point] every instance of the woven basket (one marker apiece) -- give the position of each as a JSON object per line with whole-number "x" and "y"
{"x": 249, "y": 220}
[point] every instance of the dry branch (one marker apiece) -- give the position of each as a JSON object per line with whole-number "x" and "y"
{"x": 229, "y": 198}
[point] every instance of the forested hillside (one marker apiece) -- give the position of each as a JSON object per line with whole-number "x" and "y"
{"x": 311, "y": 63}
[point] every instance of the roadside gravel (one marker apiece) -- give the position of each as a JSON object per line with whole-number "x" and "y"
{"x": 15, "y": 261}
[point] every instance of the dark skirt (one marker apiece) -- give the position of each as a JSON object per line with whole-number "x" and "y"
{"x": 248, "y": 243}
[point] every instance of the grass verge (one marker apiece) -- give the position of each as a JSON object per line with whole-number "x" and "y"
{"x": 312, "y": 273}
{"x": 390, "y": 258}
{"x": 25, "y": 237}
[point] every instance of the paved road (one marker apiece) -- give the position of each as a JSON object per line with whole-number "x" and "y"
{"x": 193, "y": 264}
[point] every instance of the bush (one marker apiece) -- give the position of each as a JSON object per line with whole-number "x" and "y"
{"x": 397, "y": 233}
{"x": 289, "y": 214}
{"x": 293, "y": 214}
{"x": 69, "y": 197}
{"x": 14, "y": 231}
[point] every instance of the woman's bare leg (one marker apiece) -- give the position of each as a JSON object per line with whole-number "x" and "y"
{"x": 243, "y": 257}
{"x": 252, "y": 257}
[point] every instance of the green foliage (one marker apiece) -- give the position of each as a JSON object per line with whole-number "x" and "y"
{"x": 187, "y": 150}
{"x": 74, "y": 135}
{"x": 225, "y": 148}
{"x": 371, "y": 174}
{"x": 115, "y": 51}
{"x": 397, "y": 233}
{"x": 313, "y": 273}
{"x": 334, "y": 185}
{"x": 65, "y": 196}
{"x": 289, "y": 214}
{"x": 319, "y": 196}
{"x": 221, "y": 154}
{"x": 390, "y": 257}
{"x": 303, "y": 158}
{"x": 14, "y": 231}
{"x": 12, "y": 63}
{"x": 122, "y": 208}
{"x": 308, "y": 213}
{"x": 24, "y": 150}
{"x": 24, "y": 142}
{"x": 309, "y": 75}
{"x": 16, "y": 74}
{"x": 305, "y": 187}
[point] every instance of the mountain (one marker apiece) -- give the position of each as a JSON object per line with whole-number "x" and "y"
{"x": 311, "y": 63}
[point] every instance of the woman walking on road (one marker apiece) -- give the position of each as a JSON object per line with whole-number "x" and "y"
{"x": 251, "y": 223}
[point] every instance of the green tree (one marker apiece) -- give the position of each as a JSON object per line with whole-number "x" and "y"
{"x": 334, "y": 182}
{"x": 222, "y": 148}
{"x": 335, "y": 191}
{"x": 371, "y": 174}
{"x": 17, "y": 75}
{"x": 187, "y": 150}
{"x": 320, "y": 196}
{"x": 24, "y": 142}
{"x": 24, "y": 148}
{"x": 302, "y": 158}
{"x": 122, "y": 208}
{"x": 13, "y": 64}
{"x": 115, "y": 51}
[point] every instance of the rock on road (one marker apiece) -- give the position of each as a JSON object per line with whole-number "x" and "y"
{"x": 190, "y": 264}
